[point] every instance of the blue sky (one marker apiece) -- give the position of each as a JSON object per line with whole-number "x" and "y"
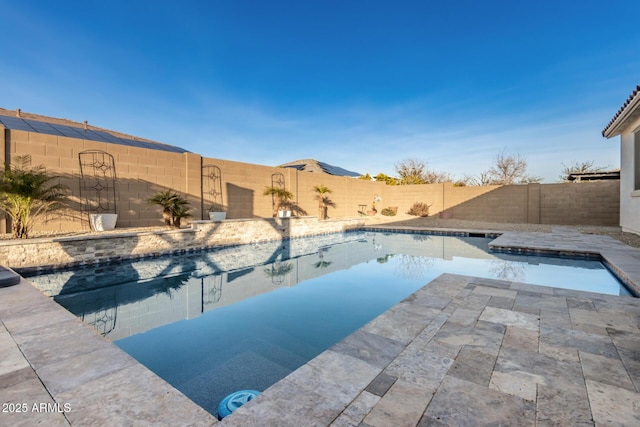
{"x": 358, "y": 84}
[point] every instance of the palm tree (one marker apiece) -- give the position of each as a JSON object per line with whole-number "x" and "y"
{"x": 26, "y": 194}
{"x": 174, "y": 207}
{"x": 181, "y": 210}
{"x": 280, "y": 196}
{"x": 323, "y": 200}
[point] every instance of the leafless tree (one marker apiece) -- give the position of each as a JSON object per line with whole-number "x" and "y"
{"x": 507, "y": 169}
{"x": 413, "y": 267}
{"x": 508, "y": 270}
{"x": 413, "y": 171}
{"x": 580, "y": 167}
{"x": 436, "y": 177}
{"x": 484, "y": 178}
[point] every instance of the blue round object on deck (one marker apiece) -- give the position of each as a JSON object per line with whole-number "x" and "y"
{"x": 234, "y": 401}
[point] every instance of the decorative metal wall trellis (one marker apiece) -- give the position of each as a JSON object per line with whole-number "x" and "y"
{"x": 105, "y": 319}
{"x": 277, "y": 181}
{"x": 211, "y": 190}
{"x": 211, "y": 290}
{"x": 97, "y": 183}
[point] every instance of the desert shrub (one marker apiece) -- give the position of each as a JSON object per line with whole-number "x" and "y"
{"x": 388, "y": 212}
{"x": 419, "y": 209}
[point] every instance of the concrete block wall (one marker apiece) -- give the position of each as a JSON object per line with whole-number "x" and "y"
{"x": 142, "y": 172}
{"x": 347, "y": 193}
{"x": 585, "y": 203}
{"x": 597, "y": 203}
{"x": 499, "y": 204}
{"x": 406, "y": 195}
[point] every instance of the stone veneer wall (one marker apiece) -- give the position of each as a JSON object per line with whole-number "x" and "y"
{"x": 89, "y": 249}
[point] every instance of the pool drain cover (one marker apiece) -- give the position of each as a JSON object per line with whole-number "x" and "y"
{"x": 234, "y": 401}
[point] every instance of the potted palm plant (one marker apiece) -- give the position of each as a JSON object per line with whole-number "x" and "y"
{"x": 323, "y": 200}
{"x": 281, "y": 201}
{"x": 27, "y": 194}
{"x": 174, "y": 207}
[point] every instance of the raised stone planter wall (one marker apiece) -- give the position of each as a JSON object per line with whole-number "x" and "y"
{"x": 88, "y": 249}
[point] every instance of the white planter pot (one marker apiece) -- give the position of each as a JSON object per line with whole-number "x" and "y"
{"x": 284, "y": 214}
{"x": 217, "y": 216}
{"x": 103, "y": 222}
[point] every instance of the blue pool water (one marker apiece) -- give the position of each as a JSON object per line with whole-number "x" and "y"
{"x": 214, "y": 322}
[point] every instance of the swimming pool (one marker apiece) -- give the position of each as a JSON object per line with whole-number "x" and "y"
{"x": 214, "y": 322}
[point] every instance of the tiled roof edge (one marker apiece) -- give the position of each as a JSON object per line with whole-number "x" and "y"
{"x": 605, "y": 131}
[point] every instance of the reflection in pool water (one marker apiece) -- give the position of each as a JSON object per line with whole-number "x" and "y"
{"x": 214, "y": 322}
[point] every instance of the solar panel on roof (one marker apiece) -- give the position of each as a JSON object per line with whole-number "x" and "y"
{"x": 143, "y": 144}
{"x": 42, "y": 127}
{"x": 106, "y": 136}
{"x": 67, "y": 130}
{"x": 298, "y": 167}
{"x": 127, "y": 142}
{"x": 17, "y": 123}
{"x": 93, "y": 135}
{"x": 335, "y": 170}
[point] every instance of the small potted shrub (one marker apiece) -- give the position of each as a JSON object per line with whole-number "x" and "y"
{"x": 282, "y": 198}
{"x": 284, "y": 211}
{"x": 373, "y": 210}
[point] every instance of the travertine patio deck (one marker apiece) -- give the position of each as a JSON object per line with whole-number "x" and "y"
{"x": 460, "y": 351}
{"x": 469, "y": 351}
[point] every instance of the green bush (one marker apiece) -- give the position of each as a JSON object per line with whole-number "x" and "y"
{"x": 388, "y": 212}
{"x": 174, "y": 207}
{"x": 419, "y": 209}
{"x": 28, "y": 194}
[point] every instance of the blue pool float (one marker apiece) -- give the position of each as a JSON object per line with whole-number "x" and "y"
{"x": 234, "y": 401}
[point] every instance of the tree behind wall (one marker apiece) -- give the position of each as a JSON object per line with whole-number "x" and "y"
{"x": 580, "y": 167}
{"x": 413, "y": 171}
{"x": 507, "y": 169}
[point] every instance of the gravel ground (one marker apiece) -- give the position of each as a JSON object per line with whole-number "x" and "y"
{"x": 407, "y": 220}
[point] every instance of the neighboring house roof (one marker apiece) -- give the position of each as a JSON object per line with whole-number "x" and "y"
{"x": 18, "y": 120}
{"x": 311, "y": 165}
{"x": 594, "y": 176}
{"x": 629, "y": 111}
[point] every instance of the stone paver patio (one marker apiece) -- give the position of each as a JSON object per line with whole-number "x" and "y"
{"x": 471, "y": 351}
{"x": 460, "y": 351}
